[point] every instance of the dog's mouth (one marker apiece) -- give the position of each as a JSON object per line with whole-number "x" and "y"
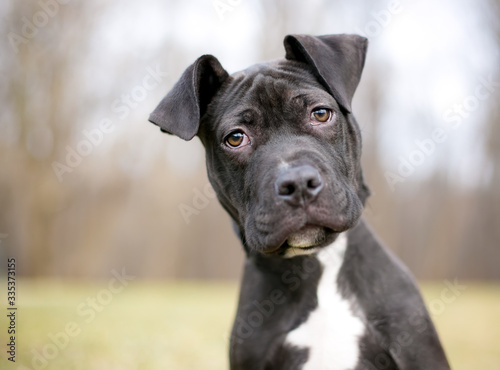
{"x": 306, "y": 240}
{"x": 307, "y": 237}
{"x": 289, "y": 231}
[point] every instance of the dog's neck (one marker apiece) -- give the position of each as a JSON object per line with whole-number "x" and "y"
{"x": 333, "y": 255}
{"x": 305, "y": 270}
{"x": 332, "y": 330}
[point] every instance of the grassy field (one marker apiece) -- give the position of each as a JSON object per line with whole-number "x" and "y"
{"x": 185, "y": 325}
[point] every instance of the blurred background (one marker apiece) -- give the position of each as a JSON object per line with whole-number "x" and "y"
{"x": 88, "y": 186}
{"x": 73, "y": 207}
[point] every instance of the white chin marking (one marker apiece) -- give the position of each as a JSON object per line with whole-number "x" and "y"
{"x": 306, "y": 237}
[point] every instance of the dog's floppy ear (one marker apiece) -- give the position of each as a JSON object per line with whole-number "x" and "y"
{"x": 180, "y": 111}
{"x": 337, "y": 61}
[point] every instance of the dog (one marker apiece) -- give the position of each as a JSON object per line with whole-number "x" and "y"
{"x": 283, "y": 150}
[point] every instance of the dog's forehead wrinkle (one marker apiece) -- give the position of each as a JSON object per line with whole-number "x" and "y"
{"x": 281, "y": 70}
{"x": 273, "y": 92}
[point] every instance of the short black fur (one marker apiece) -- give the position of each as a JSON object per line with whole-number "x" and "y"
{"x": 273, "y": 105}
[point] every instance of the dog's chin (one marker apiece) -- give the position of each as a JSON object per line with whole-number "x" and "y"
{"x": 307, "y": 237}
{"x": 307, "y": 240}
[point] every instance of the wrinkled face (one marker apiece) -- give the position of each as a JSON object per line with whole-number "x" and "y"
{"x": 283, "y": 159}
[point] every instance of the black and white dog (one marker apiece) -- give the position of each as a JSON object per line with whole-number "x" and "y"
{"x": 283, "y": 154}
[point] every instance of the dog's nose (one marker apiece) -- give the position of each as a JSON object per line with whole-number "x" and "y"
{"x": 299, "y": 185}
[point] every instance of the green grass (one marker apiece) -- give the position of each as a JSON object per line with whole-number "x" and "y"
{"x": 185, "y": 325}
{"x": 469, "y": 325}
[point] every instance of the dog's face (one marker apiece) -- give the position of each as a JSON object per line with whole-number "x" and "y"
{"x": 282, "y": 147}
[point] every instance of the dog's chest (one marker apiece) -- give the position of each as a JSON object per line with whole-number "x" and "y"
{"x": 332, "y": 331}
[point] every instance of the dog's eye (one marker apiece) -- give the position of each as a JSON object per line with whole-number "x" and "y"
{"x": 237, "y": 139}
{"x": 321, "y": 115}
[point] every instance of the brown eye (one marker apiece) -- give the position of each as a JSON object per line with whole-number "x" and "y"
{"x": 237, "y": 139}
{"x": 321, "y": 115}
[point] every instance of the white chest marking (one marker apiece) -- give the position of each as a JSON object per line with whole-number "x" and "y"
{"x": 331, "y": 332}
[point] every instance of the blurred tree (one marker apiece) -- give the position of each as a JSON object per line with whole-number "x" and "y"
{"x": 40, "y": 105}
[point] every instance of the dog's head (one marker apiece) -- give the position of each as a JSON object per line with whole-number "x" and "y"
{"x": 282, "y": 147}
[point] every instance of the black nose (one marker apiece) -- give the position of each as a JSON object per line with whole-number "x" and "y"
{"x": 299, "y": 185}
